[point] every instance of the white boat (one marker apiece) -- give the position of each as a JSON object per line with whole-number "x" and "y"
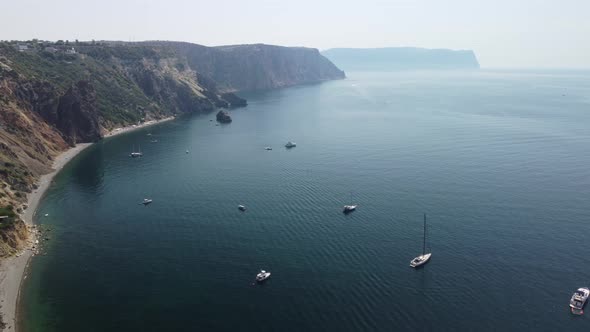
{"x": 154, "y": 141}
{"x": 349, "y": 208}
{"x": 422, "y": 259}
{"x": 136, "y": 154}
{"x": 146, "y": 201}
{"x": 241, "y": 207}
{"x": 290, "y": 145}
{"x": 262, "y": 276}
{"x": 578, "y": 300}
{"x": 268, "y": 148}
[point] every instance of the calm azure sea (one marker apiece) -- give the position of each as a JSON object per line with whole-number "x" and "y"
{"x": 498, "y": 160}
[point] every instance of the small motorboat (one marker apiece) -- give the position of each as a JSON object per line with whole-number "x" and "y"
{"x": 186, "y": 151}
{"x": 268, "y": 148}
{"x": 241, "y": 207}
{"x": 154, "y": 141}
{"x": 578, "y": 300}
{"x": 349, "y": 208}
{"x": 146, "y": 201}
{"x": 290, "y": 145}
{"x": 262, "y": 276}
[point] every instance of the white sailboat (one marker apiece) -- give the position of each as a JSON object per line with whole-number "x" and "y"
{"x": 349, "y": 208}
{"x": 422, "y": 259}
{"x": 136, "y": 154}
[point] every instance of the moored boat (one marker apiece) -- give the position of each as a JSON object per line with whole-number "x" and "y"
{"x": 146, "y": 201}
{"x": 241, "y": 207}
{"x": 262, "y": 276}
{"x": 425, "y": 257}
{"x": 134, "y": 154}
{"x": 349, "y": 208}
{"x": 290, "y": 145}
{"x": 578, "y": 300}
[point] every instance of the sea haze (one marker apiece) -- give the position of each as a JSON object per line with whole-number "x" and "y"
{"x": 498, "y": 161}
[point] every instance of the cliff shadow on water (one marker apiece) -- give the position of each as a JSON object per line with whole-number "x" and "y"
{"x": 88, "y": 170}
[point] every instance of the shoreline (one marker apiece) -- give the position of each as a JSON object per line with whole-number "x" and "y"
{"x": 123, "y": 130}
{"x": 13, "y": 269}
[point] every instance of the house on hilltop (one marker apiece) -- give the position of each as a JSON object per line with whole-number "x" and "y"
{"x": 71, "y": 51}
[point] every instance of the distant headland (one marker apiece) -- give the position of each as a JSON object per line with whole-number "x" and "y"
{"x": 401, "y": 58}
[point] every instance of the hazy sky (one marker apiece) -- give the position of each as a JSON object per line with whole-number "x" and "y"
{"x": 503, "y": 33}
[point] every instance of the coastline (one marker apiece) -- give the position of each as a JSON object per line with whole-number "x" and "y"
{"x": 123, "y": 130}
{"x": 13, "y": 269}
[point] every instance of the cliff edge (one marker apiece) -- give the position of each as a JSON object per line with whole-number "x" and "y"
{"x": 256, "y": 66}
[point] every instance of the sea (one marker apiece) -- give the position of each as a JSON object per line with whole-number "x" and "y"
{"x": 498, "y": 160}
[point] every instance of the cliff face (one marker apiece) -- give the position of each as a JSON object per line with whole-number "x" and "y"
{"x": 399, "y": 58}
{"x": 261, "y": 67}
{"x": 77, "y": 116}
{"x": 258, "y": 66}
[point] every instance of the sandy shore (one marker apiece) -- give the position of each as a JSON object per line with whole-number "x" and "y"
{"x": 13, "y": 269}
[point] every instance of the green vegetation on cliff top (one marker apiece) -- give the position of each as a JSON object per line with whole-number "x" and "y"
{"x": 118, "y": 96}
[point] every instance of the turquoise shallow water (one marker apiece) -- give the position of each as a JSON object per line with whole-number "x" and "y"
{"x": 498, "y": 160}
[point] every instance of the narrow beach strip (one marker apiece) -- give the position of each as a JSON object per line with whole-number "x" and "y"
{"x": 13, "y": 269}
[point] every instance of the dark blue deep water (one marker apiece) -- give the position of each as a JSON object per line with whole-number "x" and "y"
{"x": 498, "y": 160}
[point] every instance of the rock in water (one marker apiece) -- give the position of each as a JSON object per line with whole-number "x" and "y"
{"x": 223, "y": 117}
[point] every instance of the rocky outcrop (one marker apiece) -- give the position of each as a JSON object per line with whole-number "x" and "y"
{"x": 77, "y": 115}
{"x": 223, "y": 117}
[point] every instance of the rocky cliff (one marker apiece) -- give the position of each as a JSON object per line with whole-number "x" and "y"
{"x": 400, "y": 58}
{"x": 258, "y": 66}
{"x": 52, "y": 98}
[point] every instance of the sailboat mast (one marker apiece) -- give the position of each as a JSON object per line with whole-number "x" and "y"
{"x": 424, "y": 243}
